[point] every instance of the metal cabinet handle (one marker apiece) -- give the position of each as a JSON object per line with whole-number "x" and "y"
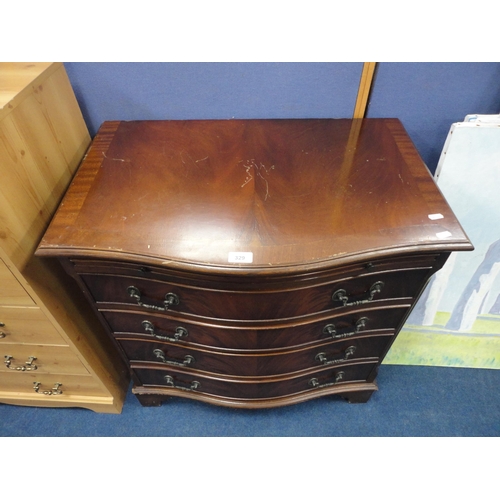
{"x": 341, "y": 295}
{"x": 314, "y": 382}
{"x": 331, "y": 329}
{"x": 321, "y": 357}
{"x": 2, "y": 334}
{"x": 150, "y": 328}
{"x": 55, "y": 391}
{"x": 171, "y": 299}
{"x": 27, "y": 367}
{"x": 169, "y": 381}
{"x": 188, "y": 360}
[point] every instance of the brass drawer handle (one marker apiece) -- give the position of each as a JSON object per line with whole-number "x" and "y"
{"x": 169, "y": 380}
{"x": 314, "y": 382}
{"x": 27, "y": 367}
{"x": 341, "y": 295}
{"x": 179, "y": 332}
{"x": 171, "y": 299}
{"x": 321, "y": 357}
{"x": 2, "y": 334}
{"x": 331, "y": 330}
{"x": 55, "y": 391}
{"x": 188, "y": 360}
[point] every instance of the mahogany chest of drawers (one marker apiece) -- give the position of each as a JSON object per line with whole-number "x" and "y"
{"x": 253, "y": 263}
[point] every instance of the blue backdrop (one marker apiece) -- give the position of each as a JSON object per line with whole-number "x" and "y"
{"x": 426, "y": 97}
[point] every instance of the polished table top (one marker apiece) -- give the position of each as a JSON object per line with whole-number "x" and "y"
{"x": 232, "y": 195}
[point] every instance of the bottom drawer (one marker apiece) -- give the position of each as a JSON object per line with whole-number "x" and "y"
{"x": 12, "y": 384}
{"x": 247, "y": 387}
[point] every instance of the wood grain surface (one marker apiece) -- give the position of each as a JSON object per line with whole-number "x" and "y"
{"x": 283, "y": 191}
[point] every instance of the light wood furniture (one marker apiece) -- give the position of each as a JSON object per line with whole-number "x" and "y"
{"x": 51, "y": 352}
{"x": 365, "y": 85}
{"x": 253, "y": 263}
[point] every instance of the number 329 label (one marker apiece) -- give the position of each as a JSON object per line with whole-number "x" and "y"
{"x": 240, "y": 257}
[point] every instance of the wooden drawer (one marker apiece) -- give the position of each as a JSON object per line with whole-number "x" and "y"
{"x": 268, "y": 335}
{"x": 250, "y": 281}
{"x": 13, "y": 385}
{"x": 250, "y": 388}
{"x": 251, "y": 363}
{"x": 12, "y": 293}
{"x": 150, "y": 294}
{"x": 48, "y": 359}
{"x": 27, "y": 325}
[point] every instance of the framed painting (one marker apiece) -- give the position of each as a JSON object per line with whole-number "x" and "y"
{"x": 456, "y": 321}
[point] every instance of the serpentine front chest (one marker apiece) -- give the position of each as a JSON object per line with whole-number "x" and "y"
{"x": 253, "y": 263}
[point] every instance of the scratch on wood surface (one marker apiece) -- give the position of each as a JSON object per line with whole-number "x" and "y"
{"x": 267, "y": 185}
{"x": 257, "y": 168}
{"x": 114, "y": 159}
{"x": 185, "y": 153}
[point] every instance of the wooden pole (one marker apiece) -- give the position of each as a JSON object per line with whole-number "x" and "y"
{"x": 364, "y": 89}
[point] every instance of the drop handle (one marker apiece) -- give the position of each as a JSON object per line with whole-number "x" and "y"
{"x": 55, "y": 391}
{"x": 2, "y": 334}
{"x": 332, "y": 330}
{"x": 338, "y": 377}
{"x": 169, "y": 381}
{"x": 171, "y": 299}
{"x": 342, "y": 296}
{"x": 323, "y": 359}
{"x": 188, "y": 359}
{"x": 27, "y": 367}
{"x": 150, "y": 328}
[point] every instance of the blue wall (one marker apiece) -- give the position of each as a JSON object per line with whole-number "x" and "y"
{"x": 427, "y": 97}
{"x": 140, "y": 91}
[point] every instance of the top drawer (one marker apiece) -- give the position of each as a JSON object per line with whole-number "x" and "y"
{"x": 12, "y": 292}
{"x": 295, "y": 300}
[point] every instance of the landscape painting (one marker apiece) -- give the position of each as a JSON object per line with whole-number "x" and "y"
{"x": 456, "y": 321}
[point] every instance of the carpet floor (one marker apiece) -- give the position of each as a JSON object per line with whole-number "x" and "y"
{"x": 412, "y": 401}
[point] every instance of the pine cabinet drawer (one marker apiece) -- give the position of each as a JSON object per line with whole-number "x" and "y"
{"x": 159, "y": 296}
{"x": 251, "y": 387}
{"x": 12, "y": 293}
{"x": 38, "y": 385}
{"x": 27, "y": 325}
{"x": 267, "y": 335}
{"x": 40, "y": 359}
{"x": 250, "y": 363}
